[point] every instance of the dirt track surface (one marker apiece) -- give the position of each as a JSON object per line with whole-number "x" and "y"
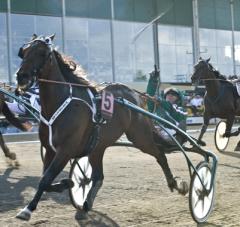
{"x": 134, "y": 192}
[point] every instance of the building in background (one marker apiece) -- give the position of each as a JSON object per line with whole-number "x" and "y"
{"x": 99, "y": 35}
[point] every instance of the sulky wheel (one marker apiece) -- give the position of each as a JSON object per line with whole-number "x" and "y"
{"x": 220, "y": 141}
{"x": 80, "y": 174}
{"x": 201, "y": 200}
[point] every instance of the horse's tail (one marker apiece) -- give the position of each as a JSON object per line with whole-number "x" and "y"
{"x": 11, "y": 118}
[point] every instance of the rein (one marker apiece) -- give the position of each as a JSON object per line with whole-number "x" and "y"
{"x": 217, "y": 80}
{"x": 143, "y": 94}
{"x": 147, "y": 96}
{"x": 64, "y": 83}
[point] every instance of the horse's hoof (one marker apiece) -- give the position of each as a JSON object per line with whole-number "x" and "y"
{"x": 172, "y": 184}
{"x": 182, "y": 187}
{"x": 201, "y": 143}
{"x": 16, "y": 164}
{"x": 11, "y": 156}
{"x": 68, "y": 183}
{"x": 24, "y": 214}
{"x": 86, "y": 207}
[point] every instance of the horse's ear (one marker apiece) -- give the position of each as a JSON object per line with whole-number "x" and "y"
{"x": 52, "y": 36}
{"x": 208, "y": 60}
{"x": 34, "y": 36}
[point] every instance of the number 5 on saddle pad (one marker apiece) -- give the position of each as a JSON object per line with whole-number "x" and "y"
{"x": 107, "y": 105}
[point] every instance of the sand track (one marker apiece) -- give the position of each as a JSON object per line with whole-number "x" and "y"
{"x": 134, "y": 192}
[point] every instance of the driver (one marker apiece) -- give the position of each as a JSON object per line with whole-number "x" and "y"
{"x": 169, "y": 107}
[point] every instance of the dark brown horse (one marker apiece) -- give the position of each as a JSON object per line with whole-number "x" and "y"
{"x": 15, "y": 122}
{"x": 221, "y": 99}
{"x": 68, "y": 135}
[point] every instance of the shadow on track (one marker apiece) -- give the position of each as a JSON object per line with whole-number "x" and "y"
{"x": 94, "y": 218}
{"x": 235, "y": 154}
{"x": 15, "y": 190}
{"x": 208, "y": 224}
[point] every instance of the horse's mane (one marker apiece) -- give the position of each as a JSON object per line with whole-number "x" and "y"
{"x": 218, "y": 74}
{"x": 72, "y": 72}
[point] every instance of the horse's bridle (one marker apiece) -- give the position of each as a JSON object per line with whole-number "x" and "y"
{"x": 36, "y": 71}
{"x": 211, "y": 69}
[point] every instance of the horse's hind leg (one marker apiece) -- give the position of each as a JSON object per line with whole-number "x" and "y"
{"x": 229, "y": 124}
{"x": 142, "y": 138}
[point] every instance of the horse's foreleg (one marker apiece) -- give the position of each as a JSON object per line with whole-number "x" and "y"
{"x": 54, "y": 169}
{"x": 6, "y": 150}
{"x": 95, "y": 159}
{"x": 49, "y": 156}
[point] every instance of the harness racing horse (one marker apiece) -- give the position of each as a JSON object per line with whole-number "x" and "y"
{"x": 220, "y": 100}
{"x": 15, "y": 122}
{"x": 67, "y": 120}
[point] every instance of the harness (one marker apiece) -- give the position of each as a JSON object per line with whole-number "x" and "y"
{"x": 92, "y": 106}
{"x": 64, "y": 105}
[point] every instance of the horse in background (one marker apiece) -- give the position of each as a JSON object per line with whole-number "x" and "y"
{"x": 15, "y": 122}
{"x": 67, "y": 136}
{"x": 221, "y": 99}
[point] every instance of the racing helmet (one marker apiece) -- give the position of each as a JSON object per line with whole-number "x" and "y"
{"x": 174, "y": 91}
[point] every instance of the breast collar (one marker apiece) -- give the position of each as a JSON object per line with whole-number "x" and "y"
{"x": 64, "y": 105}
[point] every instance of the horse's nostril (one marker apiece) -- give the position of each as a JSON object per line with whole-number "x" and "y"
{"x": 22, "y": 78}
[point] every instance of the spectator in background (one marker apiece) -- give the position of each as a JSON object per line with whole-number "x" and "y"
{"x": 196, "y": 104}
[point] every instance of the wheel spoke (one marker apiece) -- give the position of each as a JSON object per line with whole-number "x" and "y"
{"x": 82, "y": 171}
{"x": 81, "y": 175}
{"x": 83, "y": 194}
{"x": 77, "y": 178}
{"x": 87, "y": 166}
{"x": 197, "y": 191}
{"x": 203, "y": 205}
{"x": 195, "y": 205}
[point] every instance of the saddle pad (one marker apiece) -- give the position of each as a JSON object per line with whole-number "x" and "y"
{"x": 107, "y": 105}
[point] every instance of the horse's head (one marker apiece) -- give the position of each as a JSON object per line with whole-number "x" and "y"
{"x": 201, "y": 70}
{"x": 34, "y": 55}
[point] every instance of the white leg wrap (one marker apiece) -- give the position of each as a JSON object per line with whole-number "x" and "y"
{"x": 26, "y": 210}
